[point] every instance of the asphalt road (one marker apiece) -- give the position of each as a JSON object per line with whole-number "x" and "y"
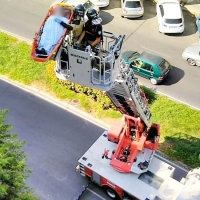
{"x": 24, "y": 19}
{"x": 55, "y": 140}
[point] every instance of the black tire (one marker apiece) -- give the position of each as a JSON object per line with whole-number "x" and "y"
{"x": 191, "y": 62}
{"x": 111, "y": 193}
{"x": 153, "y": 81}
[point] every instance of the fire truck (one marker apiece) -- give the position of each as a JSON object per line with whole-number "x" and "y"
{"x": 122, "y": 160}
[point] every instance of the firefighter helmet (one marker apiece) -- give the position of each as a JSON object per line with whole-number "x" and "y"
{"x": 79, "y": 10}
{"x": 91, "y": 14}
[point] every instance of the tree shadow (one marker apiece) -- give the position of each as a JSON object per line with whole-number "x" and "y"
{"x": 106, "y": 17}
{"x": 175, "y": 75}
{"x": 190, "y": 24}
{"x": 182, "y": 148}
{"x": 150, "y": 94}
{"x": 149, "y": 10}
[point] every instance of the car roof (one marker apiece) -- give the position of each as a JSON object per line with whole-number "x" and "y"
{"x": 151, "y": 58}
{"x": 172, "y": 10}
{"x": 194, "y": 48}
{"x": 126, "y": 54}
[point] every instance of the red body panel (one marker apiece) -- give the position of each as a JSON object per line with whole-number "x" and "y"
{"x": 88, "y": 172}
{"x": 115, "y": 131}
{"x": 118, "y": 190}
{"x": 131, "y": 138}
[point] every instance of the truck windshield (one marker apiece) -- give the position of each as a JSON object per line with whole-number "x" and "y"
{"x": 132, "y": 4}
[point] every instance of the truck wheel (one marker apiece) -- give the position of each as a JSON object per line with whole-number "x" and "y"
{"x": 111, "y": 193}
{"x": 153, "y": 81}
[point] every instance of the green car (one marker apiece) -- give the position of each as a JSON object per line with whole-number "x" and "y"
{"x": 152, "y": 67}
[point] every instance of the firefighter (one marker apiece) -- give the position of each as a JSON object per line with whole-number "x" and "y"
{"x": 92, "y": 31}
{"x": 78, "y": 22}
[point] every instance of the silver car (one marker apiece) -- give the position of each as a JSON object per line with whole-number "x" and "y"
{"x": 192, "y": 54}
{"x": 132, "y": 8}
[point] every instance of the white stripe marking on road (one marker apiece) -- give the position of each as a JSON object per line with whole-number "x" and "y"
{"x": 156, "y": 52}
{"x": 95, "y": 194}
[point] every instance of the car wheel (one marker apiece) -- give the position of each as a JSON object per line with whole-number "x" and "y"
{"x": 153, "y": 81}
{"x": 111, "y": 193}
{"x": 122, "y": 16}
{"x": 191, "y": 62}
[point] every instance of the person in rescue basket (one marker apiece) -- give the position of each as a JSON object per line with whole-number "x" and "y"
{"x": 78, "y": 22}
{"x": 92, "y": 31}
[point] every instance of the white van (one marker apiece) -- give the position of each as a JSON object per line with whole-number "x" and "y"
{"x": 132, "y": 8}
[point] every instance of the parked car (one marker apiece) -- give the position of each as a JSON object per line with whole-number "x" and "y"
{"x": 170, "y": 16}
{"x": 152, "y": 67}
{"x": 132, "y": 8}
{"x": 192, "y": 54}
{"x": 101, "y": 3}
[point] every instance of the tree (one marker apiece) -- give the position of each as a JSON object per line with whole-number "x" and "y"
{"x": 13, "y": 167}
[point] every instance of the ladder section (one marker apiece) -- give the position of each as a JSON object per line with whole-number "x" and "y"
{"x": 128, "y": 97}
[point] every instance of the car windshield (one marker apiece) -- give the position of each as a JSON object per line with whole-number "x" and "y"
{"x": 164, "y": 65}
{"x": 88, "y": 5}
{"x": 173, "y": 21}
{"x": 132, "y": 4}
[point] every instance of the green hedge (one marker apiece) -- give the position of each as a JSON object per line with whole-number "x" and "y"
{"x": 92, "y": 100}
{"x": 96, "y": 95}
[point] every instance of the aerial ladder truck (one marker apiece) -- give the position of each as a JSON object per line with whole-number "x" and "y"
{"x": 122, "y": 160}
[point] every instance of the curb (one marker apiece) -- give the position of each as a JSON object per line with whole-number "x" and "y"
{"x": 64, "y": 105}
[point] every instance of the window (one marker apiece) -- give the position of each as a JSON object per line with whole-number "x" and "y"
{"x": 148, "y": 67}
{"x": 164, "y": 65}
{"x": 161, "y": 10}
{"x": 173, "y": 21}
{"x": 137, "y": 63}
{"x": 132, "y": 4}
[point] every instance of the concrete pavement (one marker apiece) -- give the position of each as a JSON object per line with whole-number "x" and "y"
{"x": 194, "y": 9}
{"x": 193, "y": 6}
